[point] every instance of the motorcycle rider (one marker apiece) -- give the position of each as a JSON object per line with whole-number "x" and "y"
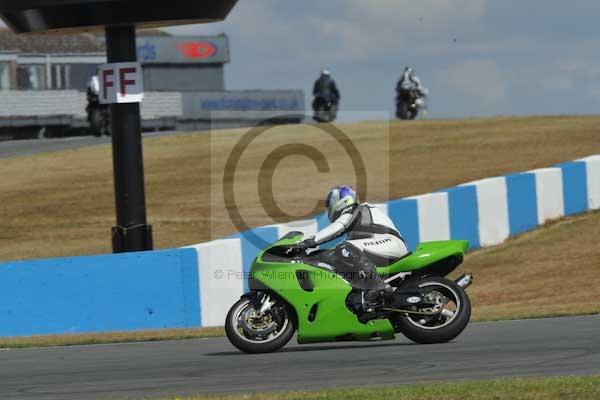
{"x": 93, "y": 86}
{"x": 410, "y": 95}
{"x": 373, "y": 240}
{"x": 325, "y": 89}
{"x": 95, "y": 109}
{"x": 408, "y": 81}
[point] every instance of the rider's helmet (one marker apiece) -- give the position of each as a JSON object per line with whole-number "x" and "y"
{"x": 410, "y": 70}
{"x": 325, "y": 72}
{"x": 338, "y": 200}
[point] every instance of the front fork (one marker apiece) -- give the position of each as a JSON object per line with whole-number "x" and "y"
{"x": 263, "y": 302}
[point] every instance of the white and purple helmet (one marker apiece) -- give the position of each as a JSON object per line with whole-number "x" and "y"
{"x": 338, "y": 200}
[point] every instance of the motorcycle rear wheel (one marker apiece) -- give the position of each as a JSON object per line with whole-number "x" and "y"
{"x": 442, "y": 328}
{"x": 252, "y": 332}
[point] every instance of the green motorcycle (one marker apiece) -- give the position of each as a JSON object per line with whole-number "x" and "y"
{"x": 293, "y": 290}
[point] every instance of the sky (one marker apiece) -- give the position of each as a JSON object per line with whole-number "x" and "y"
{"x": 477, "y": 57}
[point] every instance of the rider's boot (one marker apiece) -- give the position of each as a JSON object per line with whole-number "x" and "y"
{"x": 363, "y": 274}
{"x": 375, "y": 289}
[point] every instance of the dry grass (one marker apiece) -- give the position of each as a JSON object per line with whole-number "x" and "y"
{"x": 62, "y": 204}
{"x": 553, "y": 271}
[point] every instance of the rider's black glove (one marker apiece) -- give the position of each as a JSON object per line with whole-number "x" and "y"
{"x": 305, "y": 244}
{"x": 309, "y": 243}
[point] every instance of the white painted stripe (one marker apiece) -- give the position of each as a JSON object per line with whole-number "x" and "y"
{"x": 221, "y": 278}
{"x": 383, "y": 207}
{"x": 434, "y": 220}
{"x": 593, "y": 181}
{"x": 308, "y": 227}
{"x": 549, "y": 190}
{"x": 492, "y": 210}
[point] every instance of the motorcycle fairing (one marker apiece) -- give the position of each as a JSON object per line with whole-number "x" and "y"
{"x": 427, "y": 255}
{"x": 319, "y": 298}
{"x": 318, "y": 295}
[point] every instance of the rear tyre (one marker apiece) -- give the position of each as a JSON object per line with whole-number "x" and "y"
{"x": 253, "y": 332}
{"x": 455, "y": 313}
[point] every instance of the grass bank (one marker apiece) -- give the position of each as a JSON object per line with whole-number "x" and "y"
{"x": 62, "y": 204}
{"x": 560, "y": 388}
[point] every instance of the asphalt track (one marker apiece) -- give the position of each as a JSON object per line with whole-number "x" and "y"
{"x": 563, "y": 346}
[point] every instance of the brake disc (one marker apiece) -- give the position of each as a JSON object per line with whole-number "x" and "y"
{"x": 439, "y": 301}
{"x": 255, "y": 325}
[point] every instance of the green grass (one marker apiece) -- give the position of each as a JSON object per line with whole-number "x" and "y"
{"x": 106, "y": 338}
{"x": 560, "y": 388}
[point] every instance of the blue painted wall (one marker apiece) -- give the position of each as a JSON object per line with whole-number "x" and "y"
{"x": 575, "y": 192}
{"x": 100, "y": 294}
{"x": 464, "y": 215}
{"x": 522, "y": 203}
{"x": 405, "y": 215}
{"x": 253, "y": 241}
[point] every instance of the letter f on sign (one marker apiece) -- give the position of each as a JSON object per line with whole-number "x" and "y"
{"x": 123, "y": 72}
{"x": 106, "y": 83}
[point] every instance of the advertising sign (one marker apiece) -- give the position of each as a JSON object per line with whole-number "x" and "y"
{"x": 183, "y": 50}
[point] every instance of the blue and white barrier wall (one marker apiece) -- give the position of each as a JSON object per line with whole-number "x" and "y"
{"x": 195, "y": 286}
{"x": 104, "y": 293}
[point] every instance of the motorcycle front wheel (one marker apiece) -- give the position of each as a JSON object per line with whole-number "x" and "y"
{"x": 254, "y": 332}
{"x": 451, "y": 314}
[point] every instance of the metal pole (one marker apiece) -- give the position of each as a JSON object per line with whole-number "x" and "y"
{"x": 132, "y": 232}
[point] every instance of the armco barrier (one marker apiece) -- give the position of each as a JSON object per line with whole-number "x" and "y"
{"x": 195, "y": 286}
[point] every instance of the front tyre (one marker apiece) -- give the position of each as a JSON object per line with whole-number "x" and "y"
{"x": 254, "y": 332}
{"x": 451, "y": 313}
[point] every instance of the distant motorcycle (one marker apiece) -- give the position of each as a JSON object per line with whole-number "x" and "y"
{"x": 325, "y": 109}
{"x": 98, "y": 115}
{"x": 409, "y": 103}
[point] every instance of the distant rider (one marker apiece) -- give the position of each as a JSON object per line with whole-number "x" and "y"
{"x": 97, "y": 113}
{"x": 325, "y": 89}
{"x": 373, "y": 240}
{"x": 409, "y": 81}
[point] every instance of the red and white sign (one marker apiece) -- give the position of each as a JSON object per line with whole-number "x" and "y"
{"x": 196, "y": 49}
{"x": 121, "y": 83}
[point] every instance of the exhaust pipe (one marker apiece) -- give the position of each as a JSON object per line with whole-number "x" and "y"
{"x": 465, "y": 280}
